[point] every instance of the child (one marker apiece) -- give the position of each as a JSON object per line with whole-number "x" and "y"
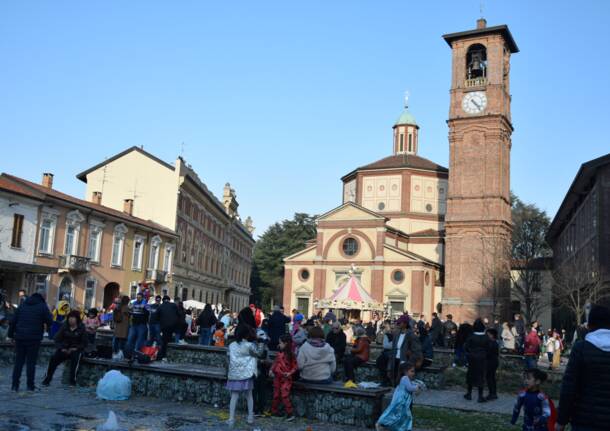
{"x": 558, "y": 349}
{"x": 536, "y": 406}
{"x": 219, "y": 335}
{"x": 398, "y": 416}
{"x": 493, "y": 355}
{"x": 282, "y": 370}
{"x": 243, "y": 354}
{"x": 92, "y": 322}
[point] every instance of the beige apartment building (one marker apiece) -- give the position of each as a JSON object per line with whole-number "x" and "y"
{"x": 213, "y": 256}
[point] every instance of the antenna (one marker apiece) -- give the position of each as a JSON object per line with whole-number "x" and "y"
{"x": 182, "y": 150}
{"x": 104, "y": 179}
{"x": 135, "y": 195}
{"x": 407, "y": 94}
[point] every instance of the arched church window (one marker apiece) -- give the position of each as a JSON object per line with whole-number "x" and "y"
{"x": 410, "y": 143}
{"x": 350, "y": 246}
{"x": 402, "y": 143}
{"x": 476, "y": 62}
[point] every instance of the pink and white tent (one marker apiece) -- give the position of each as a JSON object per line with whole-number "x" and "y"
{"x": 350, "y": 296}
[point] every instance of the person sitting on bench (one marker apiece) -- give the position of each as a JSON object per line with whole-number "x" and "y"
{"x": 71, "y": 340}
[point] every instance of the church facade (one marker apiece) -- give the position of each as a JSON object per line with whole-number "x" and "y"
{"x": 406, "y": 221}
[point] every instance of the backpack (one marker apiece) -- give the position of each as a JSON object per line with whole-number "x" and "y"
{"x": 150, "y": 351}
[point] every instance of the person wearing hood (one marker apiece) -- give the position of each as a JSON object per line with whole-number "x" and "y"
{"x": 316, "y": 359}
{"x": 27, "y": 329}
{"x": 477, "y": 349}
{"x": 359, "y": 355}
{"x": 584, "y": 400}
{"x": 59, "y": 316}
{"x": 71, "y": 340}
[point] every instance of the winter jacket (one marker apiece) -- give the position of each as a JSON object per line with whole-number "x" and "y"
{"x": 477, "y": 350}
{"x": 29, "y": 319}
{"x": 168, "y": 315}
{"x": 316, "y": 360}
{"x": 153, "y": 319}
{"x": 120, "y": 317}
{"x": 532, "y": 344}
{"x": 277, "y": 327}
{"x": 337, "y": 342}
{"x": 585, "y": 390}
{"x": 139, "y": 312}
{"x": 508, "y": 337}
{"x": 362, "y": 349}
{"x": 67, "y": 338}
{"x": 519, "y": 327}
{"x": 410, "y": 349}
{"x": 243, "y": 357}
{"x": 206, "y": 320}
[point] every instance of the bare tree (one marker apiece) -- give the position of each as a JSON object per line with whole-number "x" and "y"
{"x": 495, "y": 271}
{"x": 531, "y": 259}
{"x": 578, "y": 283}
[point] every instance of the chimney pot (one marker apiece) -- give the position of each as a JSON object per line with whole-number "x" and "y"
{"x": 97, "y": 198}
{"x": 481, "y": 23}
{"x": 128, "y": 206}
{"x": 47, "y": 180}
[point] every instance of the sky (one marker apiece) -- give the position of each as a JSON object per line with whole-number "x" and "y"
{"x": 282, "y": 98}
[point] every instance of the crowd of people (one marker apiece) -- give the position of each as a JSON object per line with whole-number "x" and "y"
{"x": 309, "y": 349}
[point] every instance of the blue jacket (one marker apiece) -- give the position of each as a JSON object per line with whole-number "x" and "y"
{"x": 536, "y": 410}
{"x": 30, "y": 318}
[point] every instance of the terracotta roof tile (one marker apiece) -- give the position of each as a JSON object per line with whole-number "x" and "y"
{"x": 401, "y": 161}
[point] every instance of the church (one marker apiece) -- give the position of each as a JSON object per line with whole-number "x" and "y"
{"x": 410, "y": 233}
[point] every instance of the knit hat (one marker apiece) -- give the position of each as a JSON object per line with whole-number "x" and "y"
{"x": 599, "y": 317}
{"x": 403, "y": 319}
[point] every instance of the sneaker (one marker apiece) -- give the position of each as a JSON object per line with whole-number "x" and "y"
{"x": 350, "y": 385}
{"x": 290, "y": 418}
{"x": 250, "y": 420}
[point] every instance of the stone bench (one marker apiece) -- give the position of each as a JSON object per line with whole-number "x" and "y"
{"x": 7, "y": 353}
{"x": 204, "y": 384}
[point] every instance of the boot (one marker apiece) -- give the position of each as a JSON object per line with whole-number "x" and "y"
{"x": 481, "y": 398}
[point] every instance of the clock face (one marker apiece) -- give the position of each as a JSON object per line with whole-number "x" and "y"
{"x": 474, "y": 102}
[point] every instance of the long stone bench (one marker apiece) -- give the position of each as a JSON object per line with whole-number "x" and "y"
{"x": 7, "y": 352}
{"x": 204, "y": 384}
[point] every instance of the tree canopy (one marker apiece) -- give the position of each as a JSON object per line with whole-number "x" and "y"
{"x": 279, "y": 240}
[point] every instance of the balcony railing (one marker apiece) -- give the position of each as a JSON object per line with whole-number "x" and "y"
{"x": 156, "y": 275}
{"x": 74, "y": 263}
{"x": 475, "y": 82}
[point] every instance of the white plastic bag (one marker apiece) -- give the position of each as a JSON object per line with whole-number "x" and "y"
{"x": 114, "y": 386}
{"x": 111, "y": 423}
{"x": 118, "y": 356}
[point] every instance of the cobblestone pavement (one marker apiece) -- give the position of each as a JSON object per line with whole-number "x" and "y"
{"x": 63, "y": 408}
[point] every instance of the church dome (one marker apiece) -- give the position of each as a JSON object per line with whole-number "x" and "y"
{"x": 406, "y": 118}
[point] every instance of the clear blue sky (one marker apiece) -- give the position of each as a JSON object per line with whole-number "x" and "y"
{"x": 282, "y": 98}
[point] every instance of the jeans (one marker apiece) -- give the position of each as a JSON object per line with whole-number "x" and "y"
{"x": 136, "y": 338}
{"x": 531, "y": 362}
{"x": 154, "y": 334}
{"x": 205, "y": 336}
{"x": 118, "y": 344}
{"x": 26, "y": 352}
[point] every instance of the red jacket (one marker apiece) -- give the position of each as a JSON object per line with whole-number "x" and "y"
{"x": 532, "y": 344}
{"x": 281, "y": 365}
{"x": 362, "y": 348}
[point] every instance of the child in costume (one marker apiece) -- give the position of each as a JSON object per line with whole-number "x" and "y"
{"x": 59, "y": 316}
{"x": 535, "y": 404}
{"x": 398, "y": 415}
{"x": 282, "y": 370}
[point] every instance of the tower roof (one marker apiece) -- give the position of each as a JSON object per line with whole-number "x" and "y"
{"x": 406, "y": 118}
{"x": 501, "y": 29}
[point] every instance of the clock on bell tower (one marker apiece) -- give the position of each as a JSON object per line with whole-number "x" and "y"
{"x": 478, "y": 220}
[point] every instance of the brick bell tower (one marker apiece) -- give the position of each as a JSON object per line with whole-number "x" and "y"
{"x": 478, "y": 221}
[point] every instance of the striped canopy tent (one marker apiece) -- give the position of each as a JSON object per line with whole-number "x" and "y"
{"x": 351, "y": 296}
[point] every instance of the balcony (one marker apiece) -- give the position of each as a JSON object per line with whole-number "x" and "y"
{"x": 74, "y": 263}
{"x": 475, "y": 82}
{"x": 156, "y": 276}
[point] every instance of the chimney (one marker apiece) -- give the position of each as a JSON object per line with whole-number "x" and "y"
{"x": 128, "y": 206}
{"x": 97, "y": 198}
{"x": 47, "y": 180}
{"x": 481, "y": 23}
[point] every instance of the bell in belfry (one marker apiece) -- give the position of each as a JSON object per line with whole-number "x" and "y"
{"x": 476, "y": 65}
